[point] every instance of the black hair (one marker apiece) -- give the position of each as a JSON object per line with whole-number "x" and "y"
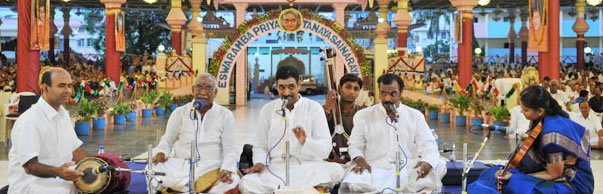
{"x": 583, "y": 93}
{"x": 535, "y": 97}
{"x": 388, "y": 78}
{"x": 350, "y": 78}
{"x": 46, "y": 77}
{"x": 287, "y": 71}
{"x": 546, "y": 78}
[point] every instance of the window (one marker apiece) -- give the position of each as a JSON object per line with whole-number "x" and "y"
{"x": 81, "y": 42}
{"x": 475, "y": 20}
{"x": 89, "y": 42}
{"x": 272, "y": 41}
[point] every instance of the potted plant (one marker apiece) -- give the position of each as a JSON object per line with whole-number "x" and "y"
{"x": 148, "y": 101}
{"x": 501, "y": 114}
{"x": 433, "y": 111}
{"x": 101, "y": 109}
{"x": 445, "y": 109}
{"x": 477, "y": 107}
{"x": 85, "y": 112}
{"x": 164, "y": 103}
{"x": 131, "y": 115}
{"x": 119, "y": 113}
{"x": 461, "y": 104}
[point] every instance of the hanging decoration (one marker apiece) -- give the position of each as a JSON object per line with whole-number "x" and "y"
{"x": 539, "y": 38}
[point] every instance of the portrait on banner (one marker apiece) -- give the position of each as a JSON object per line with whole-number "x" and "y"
{"x": 40, "y": 28}
{"x": 290, "y": 20}
{"x": 120, "y": 31}
{"x": 539, "y": 36}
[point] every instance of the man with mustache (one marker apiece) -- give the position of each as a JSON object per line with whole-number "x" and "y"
{"x": 388, "y": 130}
{"x": 349, "y": 88}
{"x": 214, "y": 134}
{"x": 302, "y": 123}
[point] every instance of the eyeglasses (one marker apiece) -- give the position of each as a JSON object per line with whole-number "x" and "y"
{"x": 206, "y": 88}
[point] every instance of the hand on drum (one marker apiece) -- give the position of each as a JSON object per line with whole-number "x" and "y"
{"x": 68, "y": 174}
{"x": 159, "y": 157}
{"x": 226, "y": 176}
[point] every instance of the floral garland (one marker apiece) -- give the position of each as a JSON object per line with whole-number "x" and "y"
{"x": 235, "y": 34}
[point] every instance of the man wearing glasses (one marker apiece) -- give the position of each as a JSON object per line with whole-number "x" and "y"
{"x": 212, "y": 128}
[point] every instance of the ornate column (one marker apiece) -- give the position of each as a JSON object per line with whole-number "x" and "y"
{"x": 241, "y": 65}
{"x": 465, "y": 49}
{"x": 52, "y": 31}
{"x": 524, "y": 34}
{"x": 176, "y": 19}
{"x": 511, "y": 35}
{"x": 28, "y": 60}
{"x": 66, "y": 31}
{"x": 199, "y": 41}
{"x": 381, "y": 61}
{"x": 112, "y": 56}
{"x": 402, "y": 20}
{"x": 339, "y": 60}
{"x": 580, "y": 27}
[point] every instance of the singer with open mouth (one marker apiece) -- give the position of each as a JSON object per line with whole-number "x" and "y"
{"x": 201, "y": 132}
{"x": 301, "y": 123}
{"x": 391, "y": 138}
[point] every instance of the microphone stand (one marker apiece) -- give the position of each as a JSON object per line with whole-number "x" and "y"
{"x": 149, "y": 173}
{"x": 467, "y": 168}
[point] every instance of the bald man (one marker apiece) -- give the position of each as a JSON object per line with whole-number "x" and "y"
{"x": 45, "y": 145}
{"x": 559, "y": 96}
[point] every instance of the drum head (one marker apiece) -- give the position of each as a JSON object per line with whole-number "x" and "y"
{"x": 91, "y": 182}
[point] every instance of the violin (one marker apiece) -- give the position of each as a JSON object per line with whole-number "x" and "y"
{"x": 520, "y": 152}
{"x": 339, "y": 136}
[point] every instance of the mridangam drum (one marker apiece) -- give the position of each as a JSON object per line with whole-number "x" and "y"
{"x": 104, "y": 182}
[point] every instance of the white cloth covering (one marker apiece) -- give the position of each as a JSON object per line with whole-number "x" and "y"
{"x": 376, "y": 141}
{"x": 48, "y": 134}
{"x": 215, "y": 142}
{"x": 308, "y": 168}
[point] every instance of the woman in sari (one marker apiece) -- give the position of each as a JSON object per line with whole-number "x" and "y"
{"x": 557, "y": 162}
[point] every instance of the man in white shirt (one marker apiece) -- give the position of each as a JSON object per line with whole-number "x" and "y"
{"x": 559, "y": 96}
{"x": 518, "y": 122}
{"x": 213, "y": 130}
{"x": 380, "y": 140}
{"x": 45, "y": 146}
{"x": 302, "y": 123}
{"x": 591, "y": 123}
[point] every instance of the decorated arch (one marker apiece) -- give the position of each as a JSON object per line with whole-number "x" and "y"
{"x": 237, "y": 40}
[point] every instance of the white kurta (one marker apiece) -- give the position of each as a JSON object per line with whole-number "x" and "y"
{"x": 376, "y": 141}
{"x": 592, "y": 124}
{"x": 308, "y": 168}
{"x": 518, "y": 122}
{"x": 216, "y": 144}
{"x": 45, "y": 133}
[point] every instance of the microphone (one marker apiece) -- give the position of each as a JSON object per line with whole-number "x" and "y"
{"x": 197, "y": 105}
{"x": 497, "y": 128}
{"x": 102, "y": 169}
{"x": 395, "y": 111}
{"x": 284, "y": 105}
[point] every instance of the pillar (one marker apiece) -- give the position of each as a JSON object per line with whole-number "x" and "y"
{"x": 549, "y": 61}
{"x": 199, "y": 41}
{"x": 66, "y": 31}
{"x": 339, "y": 60}
{"x": 176, "y": 19}
{"x": 524, "y": 34}
{"x": 112, "y": 56}
{"x": 580, "y": 27}
{"x": 511, "y": 35}
{"x": 52, "y": 31}
{"x": 402, "y": 20}
{"x": 28, "y": 61}
{"x": 465, "y": 49}
{"x": 381, "y": 61}
{"x": 241, "y": 65}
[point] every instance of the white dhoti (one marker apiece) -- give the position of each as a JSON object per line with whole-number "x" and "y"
{"x": 177, "y": 175}
{"x": 383, "y": 179}
{"x": 308, "y": 174}
{"x": 45, "y": 185}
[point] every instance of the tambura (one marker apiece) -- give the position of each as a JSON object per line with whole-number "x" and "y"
{"x": 105, "y": 182}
